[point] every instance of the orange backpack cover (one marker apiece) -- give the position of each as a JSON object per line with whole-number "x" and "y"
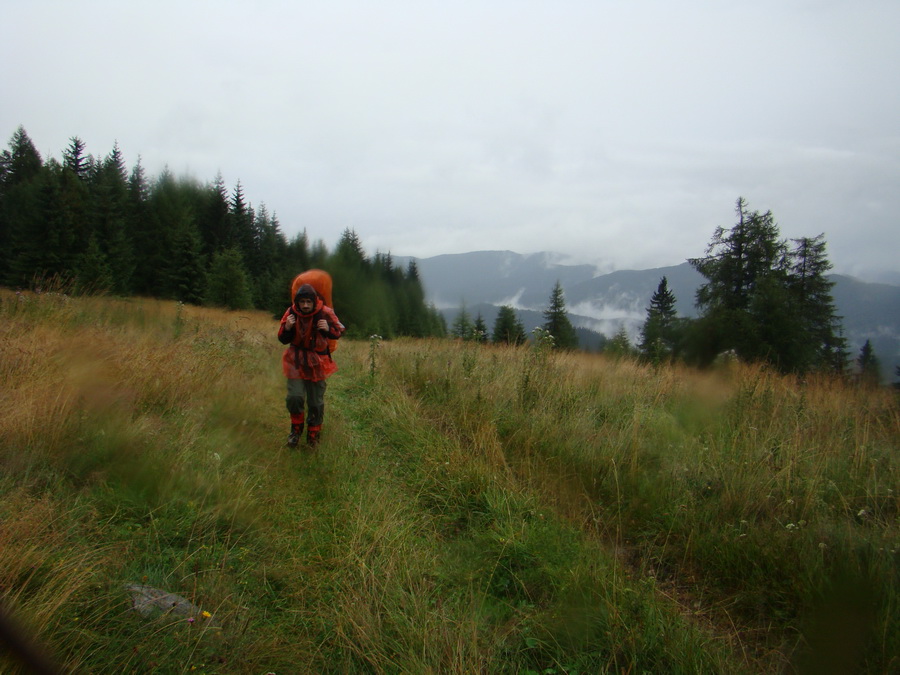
{"x": 321, "y": 281}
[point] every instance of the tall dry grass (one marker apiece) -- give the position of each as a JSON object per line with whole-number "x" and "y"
{"x": 126, "y": 429}
{"x": 470, "y": 509}
{"x": 760, "y": 501}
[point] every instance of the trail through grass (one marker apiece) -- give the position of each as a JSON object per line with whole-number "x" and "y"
{"x": 469, "y": 509}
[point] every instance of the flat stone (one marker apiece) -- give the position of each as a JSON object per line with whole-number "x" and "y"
{"x": 151, "y": 602}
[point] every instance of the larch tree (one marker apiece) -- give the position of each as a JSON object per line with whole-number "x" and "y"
{"x": 764, "y": 300}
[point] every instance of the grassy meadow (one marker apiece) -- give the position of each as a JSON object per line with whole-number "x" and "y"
{"x": 470, "y": 509}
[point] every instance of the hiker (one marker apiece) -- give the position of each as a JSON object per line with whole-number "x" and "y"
{"x": 306, "y": 327}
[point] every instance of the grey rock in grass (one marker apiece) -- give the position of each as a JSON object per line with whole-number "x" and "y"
{"x": 151, "y": 602}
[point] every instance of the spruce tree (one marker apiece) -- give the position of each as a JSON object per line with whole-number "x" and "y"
{"x": 462, "y": 326}
{"x": 139, "y": 226}
{"x": 508, "y": 329}
{"x": 619, "y": 345}
{"x": 242, "y": 226}
{"x": 821, "y": 343}
{"x": 76, "y": 161}
{"x": 479, "y": 330}
{"x": 556, "y": 321}
{"x": 351, "y": 271}
{"x": 868, "y": 365}
{"x": 658, "y": 332}
{"x": 228, "y": 283}
{"x": 109, "y": 208}
{"x": 187, "y": 271}
{"x": 93, "y": 273}
{"x": 213, "y": 220}
{"x": 23, "y": 182}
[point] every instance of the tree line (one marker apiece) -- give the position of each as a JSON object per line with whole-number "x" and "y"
{"x": 765, "y": 299}
{"x": 93, "y": 225}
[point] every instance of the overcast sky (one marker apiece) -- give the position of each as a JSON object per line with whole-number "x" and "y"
{"x": 612, "y": 132}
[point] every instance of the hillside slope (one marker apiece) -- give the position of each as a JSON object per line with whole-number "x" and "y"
{"x": 469, "y": 509}
{"x": 606, "y": 302}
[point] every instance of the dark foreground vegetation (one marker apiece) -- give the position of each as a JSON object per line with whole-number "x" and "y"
{"x": 471, "y": 509}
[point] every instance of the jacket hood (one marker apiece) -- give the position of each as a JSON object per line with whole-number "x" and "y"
{"x": 307, "y": 291}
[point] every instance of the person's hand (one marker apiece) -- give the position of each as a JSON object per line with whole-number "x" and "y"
{"x": 322, "y": 325}
{"x": 290, "y": 321}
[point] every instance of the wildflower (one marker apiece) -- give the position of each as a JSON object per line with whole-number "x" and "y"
{"x": 190, "y": 619}
{"x": 205, "y": 614}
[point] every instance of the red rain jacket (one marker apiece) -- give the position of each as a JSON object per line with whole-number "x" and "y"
{"x": 307, "y": 355}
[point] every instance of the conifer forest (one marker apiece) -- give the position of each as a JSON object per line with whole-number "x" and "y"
{"x": 91, "y": 224}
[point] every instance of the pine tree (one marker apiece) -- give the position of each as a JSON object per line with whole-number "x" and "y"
{"x": 556, "y": 321}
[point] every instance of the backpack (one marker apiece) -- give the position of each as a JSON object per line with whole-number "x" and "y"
{"x": 321, "y": 281}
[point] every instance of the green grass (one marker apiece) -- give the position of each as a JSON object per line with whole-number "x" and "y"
{"x": 469, "y": 510}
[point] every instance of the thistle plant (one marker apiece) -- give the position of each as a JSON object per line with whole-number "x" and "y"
{"x": 374, "y": 341}
{"x": 534, "y": 364}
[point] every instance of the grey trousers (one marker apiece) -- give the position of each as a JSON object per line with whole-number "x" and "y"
{"x": 312, "y": 394}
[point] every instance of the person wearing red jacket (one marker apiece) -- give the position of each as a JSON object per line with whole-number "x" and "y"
{"x": 306, "y": 327}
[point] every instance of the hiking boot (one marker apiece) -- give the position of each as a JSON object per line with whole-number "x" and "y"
{"x": 312, "y": 436}
{"x": 293, "y": 439}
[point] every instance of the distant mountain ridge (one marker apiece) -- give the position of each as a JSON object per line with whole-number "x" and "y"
{"x": 602, "y": 303}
